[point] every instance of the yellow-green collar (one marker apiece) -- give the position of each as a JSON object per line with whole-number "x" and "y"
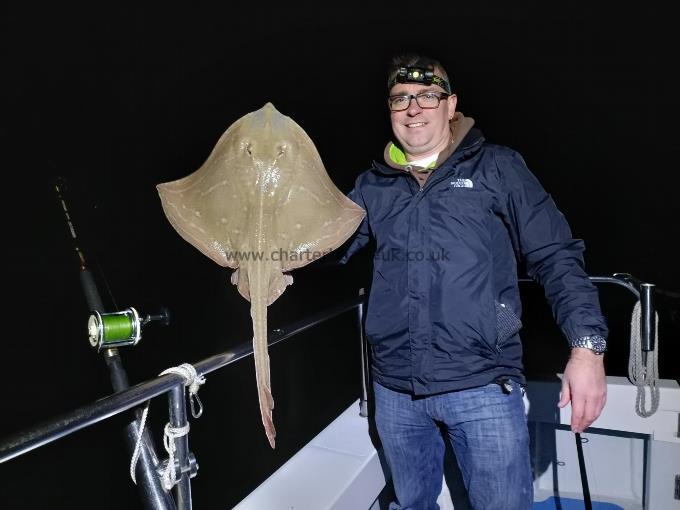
{"x": 398, "y": 156}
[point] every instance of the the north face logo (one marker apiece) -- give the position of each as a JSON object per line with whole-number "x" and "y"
{"x": 462, "y": 183}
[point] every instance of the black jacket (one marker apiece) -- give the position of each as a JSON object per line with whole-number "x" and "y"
{"x": 444, "y": 305}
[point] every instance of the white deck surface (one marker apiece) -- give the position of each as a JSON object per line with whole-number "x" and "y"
{"x": 338, "y": 469}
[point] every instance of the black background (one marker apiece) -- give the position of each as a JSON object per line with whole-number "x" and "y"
{"x": 118, "y": 99}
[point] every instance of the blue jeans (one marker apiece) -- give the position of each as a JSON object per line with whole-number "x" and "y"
{"x": 488, "y": 431}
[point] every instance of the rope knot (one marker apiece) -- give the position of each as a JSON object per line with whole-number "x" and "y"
{"x": 170, "y": 433}
{"x": 193, "y": 381}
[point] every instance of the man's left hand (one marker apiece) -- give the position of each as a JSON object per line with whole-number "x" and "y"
{"x": 584, "y": 384}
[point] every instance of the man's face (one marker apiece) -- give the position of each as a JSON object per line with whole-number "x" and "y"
{"x": 422, "y": 132}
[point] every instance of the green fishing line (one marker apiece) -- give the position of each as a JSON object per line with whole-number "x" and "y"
{"x": 117, "y": 327}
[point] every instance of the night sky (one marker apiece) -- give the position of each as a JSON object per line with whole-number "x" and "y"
{"x": 115, "y": 100}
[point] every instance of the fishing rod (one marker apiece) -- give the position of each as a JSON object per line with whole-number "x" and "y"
{"x": 106, "y": 333}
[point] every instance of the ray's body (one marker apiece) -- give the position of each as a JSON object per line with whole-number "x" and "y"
{"x": 262, "y": 204}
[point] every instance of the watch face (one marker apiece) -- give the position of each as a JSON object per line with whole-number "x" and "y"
{"x": 599, "y": 344}
{"x": 596, "y": 343}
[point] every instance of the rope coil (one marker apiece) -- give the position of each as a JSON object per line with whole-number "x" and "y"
{"x": 193, "y": 381}
{"x": 643, "y": 374}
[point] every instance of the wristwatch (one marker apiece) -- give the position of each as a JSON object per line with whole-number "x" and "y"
{"x": 595, "y": 343}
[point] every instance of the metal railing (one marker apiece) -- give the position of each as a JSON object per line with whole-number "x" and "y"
{"x": 173, "y": 384}
{"x": 642, "y": 291}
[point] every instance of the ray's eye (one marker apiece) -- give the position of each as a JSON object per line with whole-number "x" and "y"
{"x": 247, "y": 146}
{"x": 281, "y": 149}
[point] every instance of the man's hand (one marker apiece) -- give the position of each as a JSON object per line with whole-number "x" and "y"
{"x": 585, "y": 385}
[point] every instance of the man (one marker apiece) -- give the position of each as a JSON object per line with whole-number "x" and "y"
{"x": 451, "y": 215}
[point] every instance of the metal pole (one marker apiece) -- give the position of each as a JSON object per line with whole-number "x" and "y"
{"x": 647, "y": 316}
{"x": 178, "y": 419}
{"x": 582, "y": 469}
{"x": 363, "y": 403}
{"x": 153, "y": 496}
{"x": 647, "y": 322}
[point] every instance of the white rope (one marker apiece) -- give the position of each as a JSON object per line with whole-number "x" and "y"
{"x": 138, "y": 444}
{"x": 194, "y": 381}
{"x": 640, "y": 374}
{"x": 169, "y": 476}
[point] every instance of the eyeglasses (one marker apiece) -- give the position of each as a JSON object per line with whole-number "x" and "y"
{"x": 424, "y": 100}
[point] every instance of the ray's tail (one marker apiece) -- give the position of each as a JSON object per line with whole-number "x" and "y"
{"x": 259, "y": 286}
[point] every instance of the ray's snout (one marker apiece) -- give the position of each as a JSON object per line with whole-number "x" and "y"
{"x": 269, "y": 118}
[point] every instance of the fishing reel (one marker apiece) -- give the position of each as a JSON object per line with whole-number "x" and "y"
{"x": 120, "y": 329}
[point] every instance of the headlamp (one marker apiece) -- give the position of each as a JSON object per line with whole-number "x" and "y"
{"x": 415, "y": 74}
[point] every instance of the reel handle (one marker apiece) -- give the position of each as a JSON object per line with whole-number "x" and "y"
{"x": 162, "y": 317}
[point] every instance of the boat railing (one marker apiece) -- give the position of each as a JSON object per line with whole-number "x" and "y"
{"x": 173, "y": 385}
